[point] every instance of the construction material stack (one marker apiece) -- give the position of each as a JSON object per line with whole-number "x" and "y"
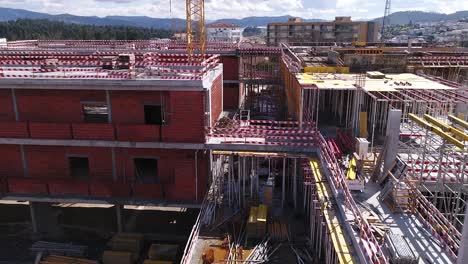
{"x": 162, "y": 254}
{"x": 125, "y": 249}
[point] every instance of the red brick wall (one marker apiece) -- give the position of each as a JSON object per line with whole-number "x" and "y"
{"x": 185, "y": 114}
{"x": 52, "y": 162}
{"x": 230, "y": 96}
{"x": 54, "y": 105}
{"x": 216, "y": 99}
{"x": 6, "y": 106}
{"x": 186, "y": 120}
{"x": 49, "y": 165}
{"x": 230, "y": 67}
{"x": 10, "y": 161}
{"x": 127, "y": 106}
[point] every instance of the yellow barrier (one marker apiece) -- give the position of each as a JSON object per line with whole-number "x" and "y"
{"x": 326, "y": 69}
{"x": 351, "y": 175}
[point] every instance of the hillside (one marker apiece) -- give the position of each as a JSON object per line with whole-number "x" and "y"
{"x": 403, "y": 18}
{"x": 8, "y": 14}
{"x": 22, "y": 29}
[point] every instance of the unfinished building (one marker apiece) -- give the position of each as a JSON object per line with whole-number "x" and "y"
{"x": 292, "y": 154}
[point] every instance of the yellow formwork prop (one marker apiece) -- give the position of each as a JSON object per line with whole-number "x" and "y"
{"x": 436, "y": 130}
{"x": 458, "y": 121}
{"x": 447, "y": 128}
{"x": 363, "y": 125}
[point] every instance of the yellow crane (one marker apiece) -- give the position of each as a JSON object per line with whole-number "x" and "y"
{"x": 196, "y": 33}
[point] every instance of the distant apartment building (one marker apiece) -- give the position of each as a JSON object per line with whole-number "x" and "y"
{"x": 343, "y": 29}
{"x": 224, "y": 32}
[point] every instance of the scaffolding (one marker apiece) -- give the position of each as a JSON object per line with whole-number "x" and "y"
{"x": 436, "y": 153}
{"x": 259, "y": 78}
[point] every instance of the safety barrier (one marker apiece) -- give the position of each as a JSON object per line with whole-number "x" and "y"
{"x": 368, "y": 242}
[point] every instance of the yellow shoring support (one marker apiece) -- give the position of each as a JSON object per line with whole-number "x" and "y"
{"x": 436, "y": 130}
{"x": 336, "y": 232}
{"x": 458, "y": 121}
{"x": 447, "y": 128}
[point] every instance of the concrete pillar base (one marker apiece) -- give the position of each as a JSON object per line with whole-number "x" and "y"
{"x": 44, "y": 220}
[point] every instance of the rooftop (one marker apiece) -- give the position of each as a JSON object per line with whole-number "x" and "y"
{"x": 389, "y": 83}
{"x": 121, "y": 66}
{"x": 223, "y": 25}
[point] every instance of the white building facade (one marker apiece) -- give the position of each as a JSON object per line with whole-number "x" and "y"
{"x": 223, "y": 32}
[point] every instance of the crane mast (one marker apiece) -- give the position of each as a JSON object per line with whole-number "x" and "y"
{"x": 196, "y": 35}
{"x": 385, "y": 22}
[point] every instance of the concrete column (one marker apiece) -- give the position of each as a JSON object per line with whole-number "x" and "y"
{"x": 109, "y": 107}
{"x": 24, "y": 161}
{"x": 295, "y": 183}
{"x": 114, "y": 165}
{"x": 15, "y": 105}
{"x": 461, "y": 110}
{"x": 33, "y": 213}
{"x": 463, "y": 251}
{"x": 119, "y": 211}
{"x": 44, "y": 219}
{"x": 283, "y": 185}
{"x": 393, "y": 134}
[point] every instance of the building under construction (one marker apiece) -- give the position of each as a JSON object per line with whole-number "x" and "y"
{"x": 292, "y": 154}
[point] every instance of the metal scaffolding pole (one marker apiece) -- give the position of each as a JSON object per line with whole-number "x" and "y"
{"x": 295, "y": 183}
{"x": 283, "y": 187}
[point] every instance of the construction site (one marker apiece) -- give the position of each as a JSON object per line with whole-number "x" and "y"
{"x": 203, "y": 152}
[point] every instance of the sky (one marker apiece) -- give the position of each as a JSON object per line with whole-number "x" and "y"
{"x": 216, "y": 9}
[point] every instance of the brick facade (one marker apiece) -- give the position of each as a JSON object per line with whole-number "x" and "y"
{"x": 58, "y": 115}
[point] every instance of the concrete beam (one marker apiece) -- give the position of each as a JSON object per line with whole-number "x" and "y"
{"x": 156, "y": 145}
{"x": 100, "y": 143}
{"x": 93, "y": 200}
{"x": 100, "y": 84}
{"x": 119, "y": 215}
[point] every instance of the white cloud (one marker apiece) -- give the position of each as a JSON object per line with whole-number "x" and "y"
{"x": 216, "y": 9}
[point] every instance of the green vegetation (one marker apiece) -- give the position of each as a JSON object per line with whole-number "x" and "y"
{"x": 252, "y": 31}
{"x": 45, "y": 29}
